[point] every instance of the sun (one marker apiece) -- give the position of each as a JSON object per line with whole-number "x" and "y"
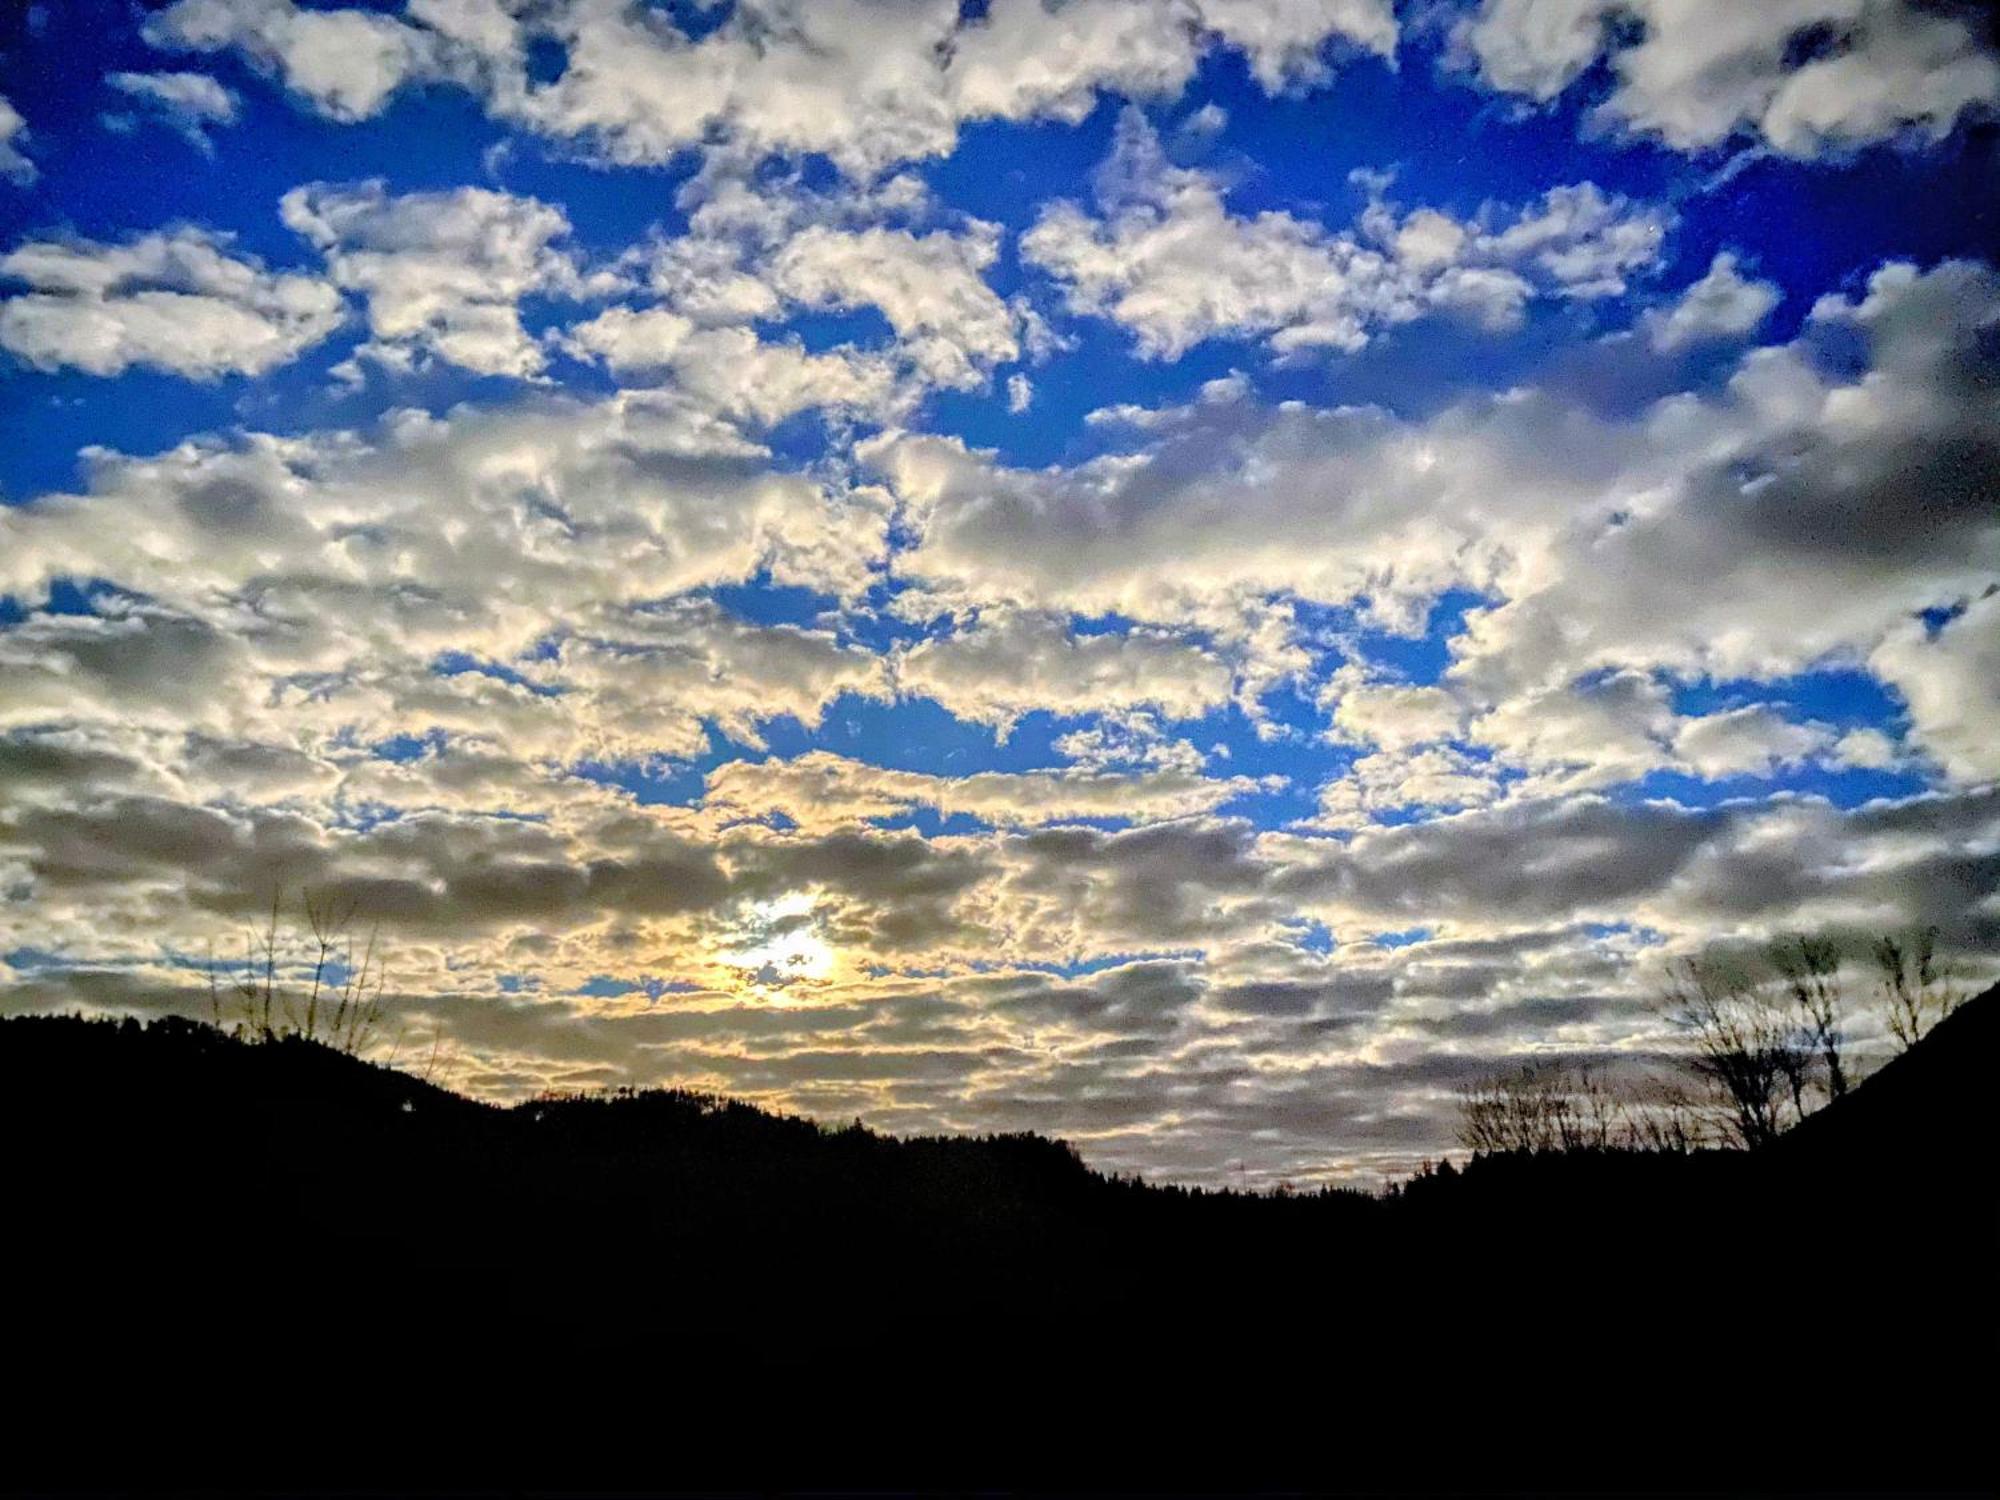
{"x": 777, "y": 943}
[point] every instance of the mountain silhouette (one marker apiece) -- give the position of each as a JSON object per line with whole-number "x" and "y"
{"x": 274, "y": 1262}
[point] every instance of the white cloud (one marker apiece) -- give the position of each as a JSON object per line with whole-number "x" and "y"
{"x": 174, "y": 300}
{"x": 735, "y": 373}
{"x": 865, "y": 85}
{"x": 1004, "y": 667}
{"x": 1951, "y": 681}
{"x": 772, "y": 250}
{"x": 1439, "y": 778}
{"x": 1722, "y": 305}
{"x": 1166, "y": 258}
{"x": 14, "y": 163}
{"x": 1797, "y": 517}
{"x": 1282, "y": 39}
{"x": 1327, "y": 505}
{"x": 1535, "y": 47}
{"x": 346, "y": 61}
{"x": 187, "y": 103}
{"x": 1751, "y": 741}
{"x": 310, "y": 584}
{"x": 1132, "y": 739}
{"x": 1870, "y": 749}
{"x": 930, "y": 287}
{"x": 821, "y": 791}
{"x": 443, "y": 273}
{"x": 1393, "y": 715}
{"x": 1701, "y": 71}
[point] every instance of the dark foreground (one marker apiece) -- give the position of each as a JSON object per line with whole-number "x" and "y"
{"x": 228, "y": 1265}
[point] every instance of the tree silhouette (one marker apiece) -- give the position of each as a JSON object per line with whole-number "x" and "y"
{"x": 1747, "y": 1045}
{"x": 1915, "y": 992}
{"x": 1810, "y": 969}
{"x": 1541, "y": 1106}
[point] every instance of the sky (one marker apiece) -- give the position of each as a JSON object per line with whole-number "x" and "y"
{"x": 1191, "y": 575}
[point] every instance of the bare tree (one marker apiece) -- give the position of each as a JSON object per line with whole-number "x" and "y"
{"x": 1746, "y": 1045}
{"x": 1810, "y": 969}
{"x": 258, "y": 985}
{"x": 1546, "y": 1105}
{"x": 1915, "y": 992}
{"x": 340, "y": 1003}
{"x": 1663, "y": 1115}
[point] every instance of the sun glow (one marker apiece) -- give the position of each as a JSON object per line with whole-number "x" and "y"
{"x": 778, "y": 944}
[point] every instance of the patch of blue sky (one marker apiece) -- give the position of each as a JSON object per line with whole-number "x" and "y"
{"x": 616, "y": 987}
{"x": 1843, "y": 786}
{"x": 1637, "y": 932}
{"x": 1310, "y": 934}
{"x": 428, "y": 139}
{"x": 930, "y": 823}
{"x": 1423, "y": 658}
{"x": 1938, "y": 616}
{"x": 1101, "y": 368}
{"x": 408, "y": 747}
{"x": 1404, "y": 938}
{"x": 65, "y": 596}
{"x": 458, "y": 663}
{"x": 762, "y": 602}
{"x": 1843, "y": 697}
{"x": 30, "y": 960}
{"x": 674, "y": 783}
{"x": 821, "y": 330}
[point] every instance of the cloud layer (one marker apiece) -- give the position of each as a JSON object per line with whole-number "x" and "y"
{"x": 1026, "y": 567}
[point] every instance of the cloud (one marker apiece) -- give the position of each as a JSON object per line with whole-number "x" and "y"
{"x": 14, "y": 163}
{"x": 443, "y": 273}
{"x": 1283, "y": 39}
{"x": 734, "y": 372}
{"x": 1750, "y": 741}
{"x": 1016, "y": 663}
{"x": 1701, "y": 872}
{"x": 1436, "y": 777}
{"x": 1328, "y": 505}
{"x": 772, "y": 250}
{"x": 820, "y": 791}
{"x": 545, "y": 545}
{"x": 1222, "y": 782}
{"x": 187, "y": 103}
{"x": 1721, "y": 305}
{"x": 1805, "y": 77}
{"x": 1951, "y": 680}
{"x": 345, "y": 61}
{"x": 865, "y": 86}
{"x": 175, "y": 300}
{"x": 1393, "y": 715}
{"x": 1798, "y": 517}
{"x": 1167, "y": 259}
{"x": 948, "y": 321}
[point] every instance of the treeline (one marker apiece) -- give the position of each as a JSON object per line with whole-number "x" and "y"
{"x": 1767, "y": 1041}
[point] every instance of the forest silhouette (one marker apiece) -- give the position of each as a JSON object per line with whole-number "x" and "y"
{"x": 273, "y": 1259}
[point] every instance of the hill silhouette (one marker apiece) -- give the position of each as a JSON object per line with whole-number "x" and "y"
{"x": 274, "y": 1262}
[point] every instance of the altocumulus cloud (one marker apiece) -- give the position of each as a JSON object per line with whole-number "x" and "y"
{"x": 1082, "y": 566}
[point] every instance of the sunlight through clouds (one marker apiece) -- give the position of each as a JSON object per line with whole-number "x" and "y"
{"x": 1186, "y": 574}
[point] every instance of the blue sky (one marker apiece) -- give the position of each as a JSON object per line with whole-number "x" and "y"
{"x": 999, "y": 538}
